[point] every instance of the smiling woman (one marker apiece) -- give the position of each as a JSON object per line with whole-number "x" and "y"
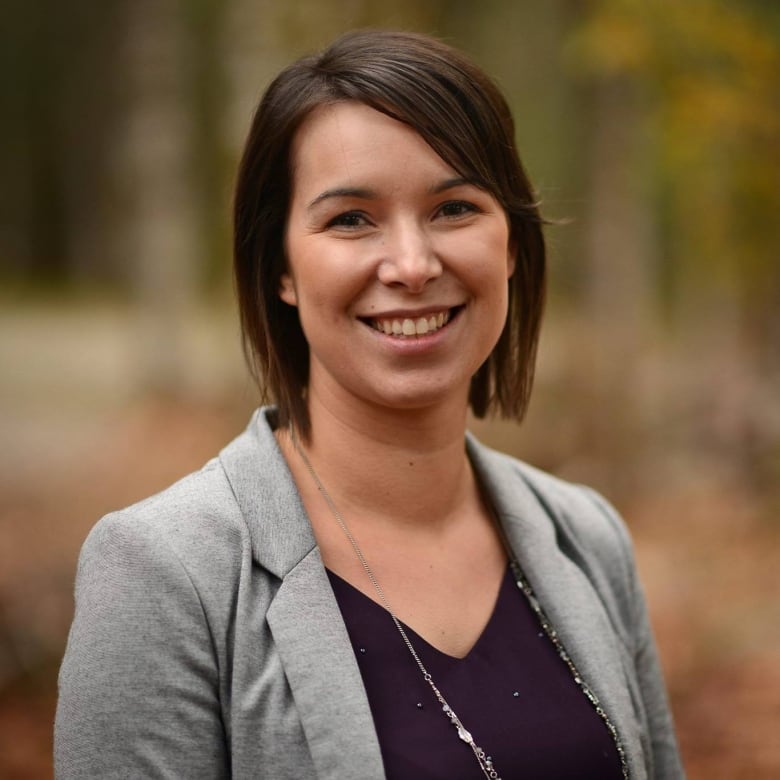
{"x": 355, "y": 587}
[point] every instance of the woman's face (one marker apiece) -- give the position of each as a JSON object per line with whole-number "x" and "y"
{"x": 398, "y": 267}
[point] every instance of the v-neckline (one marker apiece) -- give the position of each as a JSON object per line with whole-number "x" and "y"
{"x": 506, "y": 581}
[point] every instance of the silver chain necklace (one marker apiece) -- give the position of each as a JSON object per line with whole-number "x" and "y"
{"x": 485, "y": 761}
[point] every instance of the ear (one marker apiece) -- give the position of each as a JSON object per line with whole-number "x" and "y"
{"x": 287, "y": 290}
{"x": 511, "y": 259}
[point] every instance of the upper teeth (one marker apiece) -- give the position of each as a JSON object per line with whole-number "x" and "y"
{"x": 418, "y": 326}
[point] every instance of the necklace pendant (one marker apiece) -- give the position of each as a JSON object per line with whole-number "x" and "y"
{"x": 465, "y": 735}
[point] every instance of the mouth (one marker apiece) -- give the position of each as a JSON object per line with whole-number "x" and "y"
{"x": 413, "y": 327}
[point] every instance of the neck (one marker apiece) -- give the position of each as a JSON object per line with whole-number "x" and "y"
{"x": 399, "y": 466}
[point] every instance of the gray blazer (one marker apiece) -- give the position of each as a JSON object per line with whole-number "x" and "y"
{"x": 207, "y": 642}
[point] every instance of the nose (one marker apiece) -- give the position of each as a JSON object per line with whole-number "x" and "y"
{"x": 410, "y": 259}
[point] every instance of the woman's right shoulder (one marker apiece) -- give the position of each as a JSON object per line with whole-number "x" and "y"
{"x": 200, "y": 502}
{"x": 195, "y": 523}
{"x": 212, "y": 526}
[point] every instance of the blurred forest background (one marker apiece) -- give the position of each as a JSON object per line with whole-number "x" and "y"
{"x": 652, "y": 131}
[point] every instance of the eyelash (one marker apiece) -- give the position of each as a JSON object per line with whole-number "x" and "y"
{"x": 355, "y": 219}
{"x": 464, "y": 207}
{"x": 347, "y": 220}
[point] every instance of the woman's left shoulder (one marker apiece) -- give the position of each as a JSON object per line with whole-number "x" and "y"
{"x": 584, "y": 521}
{"x": 586, "y": 513}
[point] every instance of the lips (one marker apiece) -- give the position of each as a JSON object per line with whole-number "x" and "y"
{"x": 412, "y": 327}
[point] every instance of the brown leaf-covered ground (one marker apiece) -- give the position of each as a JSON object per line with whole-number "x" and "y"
{"x": 706, "y": 549}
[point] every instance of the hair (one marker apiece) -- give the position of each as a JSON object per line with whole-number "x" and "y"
{"x": 462, "y": 115}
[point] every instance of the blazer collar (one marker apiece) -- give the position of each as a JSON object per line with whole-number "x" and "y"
{"x": 267, "y": 496}
{"x": 566, "y": 595}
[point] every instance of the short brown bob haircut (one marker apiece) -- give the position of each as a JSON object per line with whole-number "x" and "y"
{"x": 461, "y": 114}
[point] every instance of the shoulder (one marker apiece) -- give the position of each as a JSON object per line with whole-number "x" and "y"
{"x": 574, "y": 519}
{"x": 208, "y": 527}
{"x": 195, "y": 523}
{"x": 583, "y": 513}
{"x": 576, "y": 509}
{"x": 190, "y": 543}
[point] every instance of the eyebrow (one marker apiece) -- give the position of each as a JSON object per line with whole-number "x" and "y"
{"x": 450, "y": 184}
{"x": 344, "y": 192}
{"x": 364, "y": 193}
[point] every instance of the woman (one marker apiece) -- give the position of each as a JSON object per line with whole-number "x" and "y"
{"x": 335, "y": 595}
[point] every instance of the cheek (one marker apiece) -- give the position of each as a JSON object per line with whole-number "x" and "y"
{"x": 329, "y": 281}
{"x": 492, "y": 262}
{"x": 322, "y": 301}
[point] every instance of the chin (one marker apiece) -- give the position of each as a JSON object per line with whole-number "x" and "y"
{"x": 419, "y": 399}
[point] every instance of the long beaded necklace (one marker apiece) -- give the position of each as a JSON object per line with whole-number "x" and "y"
{"x": 485, "y": 761}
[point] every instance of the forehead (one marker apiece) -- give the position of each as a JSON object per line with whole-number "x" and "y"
{"x": 350, "y": 139}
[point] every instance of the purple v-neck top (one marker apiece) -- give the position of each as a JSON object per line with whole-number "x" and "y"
{"x": 512, "y": 692}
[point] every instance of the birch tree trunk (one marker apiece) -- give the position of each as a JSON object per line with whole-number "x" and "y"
{"x": 162, "y": 251}
{"x": 620, "y": 251}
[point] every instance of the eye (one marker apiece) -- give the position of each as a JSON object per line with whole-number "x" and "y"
{"x": 349, "y": 219}
{"x": 457, "y": 208}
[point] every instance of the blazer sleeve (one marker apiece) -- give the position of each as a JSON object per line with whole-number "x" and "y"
{"x": 138, "y": 687}
{"x": 665, "y": 756}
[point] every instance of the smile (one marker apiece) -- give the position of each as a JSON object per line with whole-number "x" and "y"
{"x": 407, "y": 327}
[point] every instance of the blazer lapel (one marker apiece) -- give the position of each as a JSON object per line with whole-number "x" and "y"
{"x": 564, "y": 592}
{"x": 304, "y": 617}
{"x": 323, "y": 674}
